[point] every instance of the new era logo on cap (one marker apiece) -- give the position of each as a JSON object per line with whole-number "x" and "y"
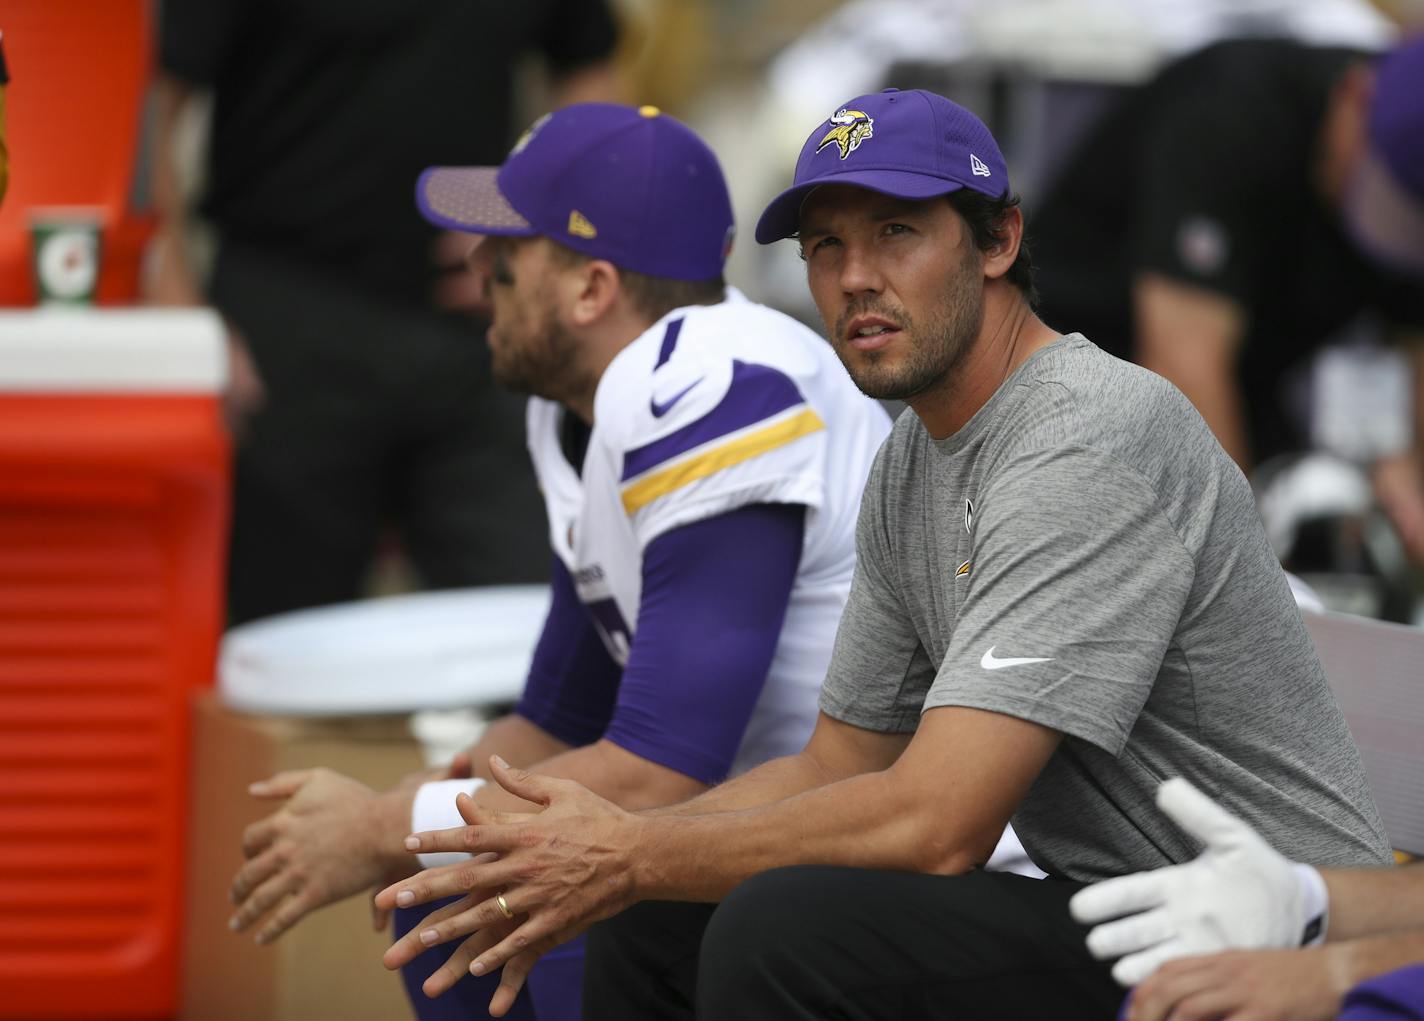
{"x": 977, "y": 165}
{"x": 580, "y": 227}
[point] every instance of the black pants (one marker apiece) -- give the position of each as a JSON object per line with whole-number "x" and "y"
{"x": 834, "y": 943}
{"x": 377, "y": 415}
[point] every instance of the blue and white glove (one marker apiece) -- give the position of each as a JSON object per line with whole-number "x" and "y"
{"x": 1239, "y": 893}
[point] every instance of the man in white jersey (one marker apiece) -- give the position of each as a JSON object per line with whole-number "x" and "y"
{"x": 1062, "y": 593}
{"x": 701, "y": 459}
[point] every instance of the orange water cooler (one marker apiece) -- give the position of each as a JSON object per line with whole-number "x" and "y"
{"x": 114, "y": 484}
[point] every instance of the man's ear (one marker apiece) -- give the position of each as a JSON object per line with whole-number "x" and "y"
{"x": 999, "y": 256}
{"x": 595, "y": 289}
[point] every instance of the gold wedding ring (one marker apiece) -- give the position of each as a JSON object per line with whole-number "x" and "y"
{"x": 503, "y": 906}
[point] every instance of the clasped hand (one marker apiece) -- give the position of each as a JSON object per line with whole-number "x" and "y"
{"x": 558, "y": 871}
{"x": 330, "y": 838}
{"x": 322, "y": 845}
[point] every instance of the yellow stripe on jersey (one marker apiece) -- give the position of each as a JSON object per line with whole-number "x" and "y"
{"x": 745, "y": 447}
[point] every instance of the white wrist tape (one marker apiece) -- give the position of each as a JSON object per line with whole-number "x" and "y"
{"x": 434, "y": 809}
{"x": 1315, "y": 897}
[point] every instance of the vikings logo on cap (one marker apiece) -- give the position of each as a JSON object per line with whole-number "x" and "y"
{"x": 850, "y": 128}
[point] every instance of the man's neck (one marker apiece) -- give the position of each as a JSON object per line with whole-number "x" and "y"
{"x": 1009, "y": 335}
{"x": 600, "y": 347}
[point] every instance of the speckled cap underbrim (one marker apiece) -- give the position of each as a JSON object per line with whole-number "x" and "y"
{"x": 469, "y": 199}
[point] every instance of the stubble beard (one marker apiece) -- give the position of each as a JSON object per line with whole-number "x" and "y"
{"x": 942, "y": 345}
{"x": 545, "y": 365}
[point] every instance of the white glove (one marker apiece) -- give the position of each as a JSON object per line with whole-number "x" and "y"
{"x": 1238, "y": 893}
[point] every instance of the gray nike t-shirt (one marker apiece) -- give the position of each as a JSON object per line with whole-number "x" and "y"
{"x": 1084, "y": 555}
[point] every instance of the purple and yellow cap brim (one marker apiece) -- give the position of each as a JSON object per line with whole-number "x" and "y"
{"x": 469, "y": 199}
{"x": 782, "y": 217}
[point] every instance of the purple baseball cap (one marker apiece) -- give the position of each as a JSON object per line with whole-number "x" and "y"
{"x": 913, "y": 145}
{"x": 1384, "y": 206}
{"x": 627, "y": 184}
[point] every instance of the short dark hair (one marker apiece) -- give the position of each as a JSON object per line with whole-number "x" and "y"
{"x": 653, "y": 296}
{"x": 985, "y": 217}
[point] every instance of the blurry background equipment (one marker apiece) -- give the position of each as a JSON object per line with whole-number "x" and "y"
{"x": 327, "y": 968}
{"x": 370, "y": 411}
{"x": 1373, "y": 669}
{"x": 1322, "y": 521}
{"x": 73, "y": 116}
{"x": 368, "y": 689}
{"x": 398, "y": 654}
{"x": 113, "y": 514}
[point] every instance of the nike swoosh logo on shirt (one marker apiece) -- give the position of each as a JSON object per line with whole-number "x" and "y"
{"x": 659, "y": 410}
{"x": 992, "y": 662}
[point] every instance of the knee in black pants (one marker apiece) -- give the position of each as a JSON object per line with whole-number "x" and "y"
{"x": 643, "y": 963}
{"x": 820, "y": 942}
{"x": 754, "y": 960}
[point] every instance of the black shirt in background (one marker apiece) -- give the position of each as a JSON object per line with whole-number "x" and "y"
{"x": 1206, "y": 175}
{"x": 326, "y": 111}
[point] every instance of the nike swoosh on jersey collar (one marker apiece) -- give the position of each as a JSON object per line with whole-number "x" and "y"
{"x": 659, "y": 410}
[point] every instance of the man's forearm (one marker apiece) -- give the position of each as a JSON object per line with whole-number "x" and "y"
{"x": 1366, "y": 902}
{"x": 627, "y": 780}
{"x": 1191, "y": 336}
{"x": 1362, "y": 959}
{"x": 515, "y": 739}
{"x": 923, "y": 809}
{"x": 771, "y": 781}
{"x": 836, "y": 751}
{"x": 863, "y": 821}
{"x": 171, "y": 280}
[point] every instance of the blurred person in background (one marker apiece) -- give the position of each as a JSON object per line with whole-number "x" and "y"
{"x": 361, "y": 390}
{"x": 702, "y": 460}
{"x": 1235, "y": 933}
{"x": 1255, "y": 202}
{"x": 1041, "y": 67}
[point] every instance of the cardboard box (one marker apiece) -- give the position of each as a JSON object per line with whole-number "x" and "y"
{"x": 329, "y": 964}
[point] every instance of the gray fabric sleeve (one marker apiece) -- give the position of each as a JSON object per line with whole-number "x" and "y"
{"x": 1075, "y": 566}
{"x": 879, "y": 671}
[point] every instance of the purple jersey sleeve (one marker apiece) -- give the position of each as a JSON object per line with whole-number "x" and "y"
{"x": 715, "y": 594}
{"x": 1394, "y": 996}
{"x": 573, "y": 682}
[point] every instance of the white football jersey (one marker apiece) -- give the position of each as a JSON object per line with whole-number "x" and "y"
{"x": 711, "y": 409}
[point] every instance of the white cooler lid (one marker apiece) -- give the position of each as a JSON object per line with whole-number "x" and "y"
{"x": 396, "y": 654}
{"x": 122, "y": 350}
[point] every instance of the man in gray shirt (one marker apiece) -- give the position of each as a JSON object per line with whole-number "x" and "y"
{"x": 1063, "y": 597}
